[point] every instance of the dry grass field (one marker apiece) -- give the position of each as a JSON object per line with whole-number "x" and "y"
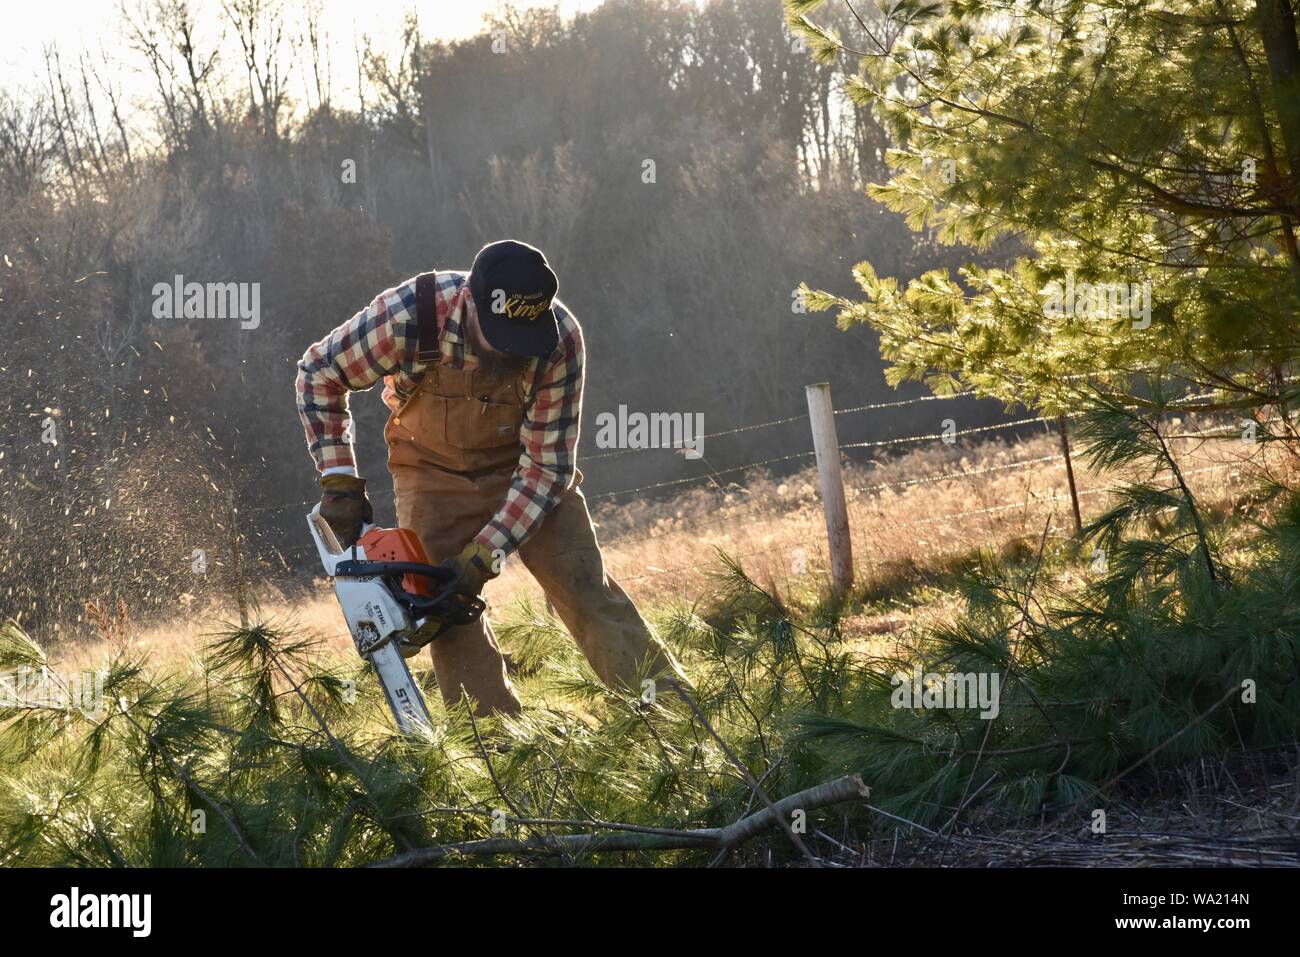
{"x": 910, "y": 514}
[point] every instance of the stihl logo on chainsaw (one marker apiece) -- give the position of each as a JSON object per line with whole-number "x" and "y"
{"x": 376, "y": 613}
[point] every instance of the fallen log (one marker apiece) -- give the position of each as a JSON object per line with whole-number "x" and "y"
{"x": 713, "y": 838}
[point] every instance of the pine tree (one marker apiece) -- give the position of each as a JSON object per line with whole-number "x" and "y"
{"x": 1144, "y": 159}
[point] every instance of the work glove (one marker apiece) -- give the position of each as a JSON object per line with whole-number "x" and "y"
{"x": 413, "y": 644}
{"x": 343, "y": 503}
{"x": 473, "y": 567}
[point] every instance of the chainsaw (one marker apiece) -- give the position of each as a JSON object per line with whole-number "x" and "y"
{"x": 395, "y": 603}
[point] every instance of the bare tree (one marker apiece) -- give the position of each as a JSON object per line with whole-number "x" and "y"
{"x": 25, "y": 144}
{"x": 180, "y": 23}
{"x": 398, "y": 84}
{"x": 113, "y": 94}
{"x": 319, "y": 60}
{"x": 540, "y": 199}
{"x": 63, "y": 118}
{"x": 268, "y": 57}
{"x": 145, "y": 35}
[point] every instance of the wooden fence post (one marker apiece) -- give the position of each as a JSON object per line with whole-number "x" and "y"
{"x": 822, "y": 416}
{"x": 1069, "y": 475}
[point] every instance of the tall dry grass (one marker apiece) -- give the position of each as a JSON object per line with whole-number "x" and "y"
{"x": 663, "y": 550}
{"x": 657, "y": 550}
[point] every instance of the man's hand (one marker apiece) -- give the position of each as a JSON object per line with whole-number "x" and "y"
{"x": 343, "y": 503}
{"x": 473, "y": 567}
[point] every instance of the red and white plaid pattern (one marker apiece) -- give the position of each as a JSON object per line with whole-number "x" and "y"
{"x": 381, "y": 342}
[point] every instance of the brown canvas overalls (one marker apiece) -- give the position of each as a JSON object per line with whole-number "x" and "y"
{"x": 452, "y": 450}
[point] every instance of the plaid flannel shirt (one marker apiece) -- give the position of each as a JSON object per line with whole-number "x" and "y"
{"x": 382, "y": 341}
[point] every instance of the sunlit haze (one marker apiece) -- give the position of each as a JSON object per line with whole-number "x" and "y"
{"x": 78, "y": 27}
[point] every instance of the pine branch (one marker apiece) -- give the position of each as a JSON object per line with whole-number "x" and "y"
{"x": 754, "y": 786}
{"x": 190, "y": 783}
{"x": 733, "y": 835}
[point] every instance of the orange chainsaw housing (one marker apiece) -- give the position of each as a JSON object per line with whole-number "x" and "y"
{"x": 398, "y": 545}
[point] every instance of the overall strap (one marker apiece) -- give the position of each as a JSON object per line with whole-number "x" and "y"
{"x": 426, "y": 318}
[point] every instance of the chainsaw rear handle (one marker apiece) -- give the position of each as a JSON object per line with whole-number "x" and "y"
{"x": 364, "y": 566}
{"x": 446, "y": 603}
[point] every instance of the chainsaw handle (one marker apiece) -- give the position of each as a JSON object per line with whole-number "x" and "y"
{"x": 363, "y": 566}
{"x": 332, "y": 552}
{"x": 445, "y": 578}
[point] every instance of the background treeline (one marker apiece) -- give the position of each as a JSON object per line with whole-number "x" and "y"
{"x": 233, "y": 172}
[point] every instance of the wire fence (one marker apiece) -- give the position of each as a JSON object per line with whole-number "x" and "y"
{"x": 874, "y": 525}
{"x": 962, "y": 474}
{"x": 947, "y": 437}
{"x": 943, "y": 436}
{"x": 712, "y": 474}
{"x": 1034, "y": 502}
{"x": 802, "y": 417}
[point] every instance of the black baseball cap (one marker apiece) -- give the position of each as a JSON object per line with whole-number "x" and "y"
{"x": 513, "y": 288}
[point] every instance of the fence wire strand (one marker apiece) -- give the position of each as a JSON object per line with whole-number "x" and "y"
{"x": 713, "y": 475}
{"x": 1032, "y": 502}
